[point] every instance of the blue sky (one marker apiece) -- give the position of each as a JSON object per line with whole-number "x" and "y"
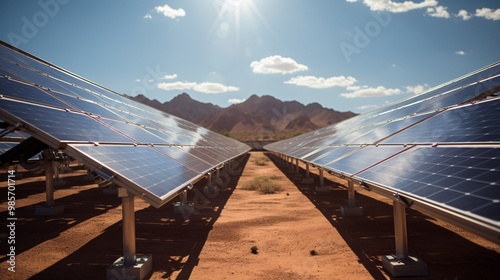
{"x": 344, "y": 54}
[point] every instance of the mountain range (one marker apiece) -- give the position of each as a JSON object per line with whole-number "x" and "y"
{"x": 257, "y": 118}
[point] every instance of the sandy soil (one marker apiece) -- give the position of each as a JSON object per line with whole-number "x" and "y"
{"x": 214, "y": 242}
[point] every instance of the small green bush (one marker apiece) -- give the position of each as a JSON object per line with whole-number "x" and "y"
{"x": 264, "y": 185}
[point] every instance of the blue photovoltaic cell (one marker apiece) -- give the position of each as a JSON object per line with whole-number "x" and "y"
{"x": 332, "y": 154}
{"x": 30, "y": 93}
{"x": 135, "y": 132}
{"x": 196, "y": 164}
{"x": 107, "y": 130}
{"x": 363, "y": 158}
{"x": 146, "y": 168}
{"x": 62, "y": 125}
{"x": 473, "y": 123}
{"x": 467, "y": 179}
{"x": 463, "y": 95}
{"x": 203, "y": 155}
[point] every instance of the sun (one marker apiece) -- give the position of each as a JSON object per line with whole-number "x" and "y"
{"x": 232, "y": 12}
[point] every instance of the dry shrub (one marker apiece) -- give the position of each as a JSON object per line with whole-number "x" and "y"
{"x": 264, "y": 185}
{"x": 261, "y": 161}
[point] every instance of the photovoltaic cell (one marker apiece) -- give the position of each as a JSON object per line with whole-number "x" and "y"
{"x": 467, "y": 179}
{"x": 29, "y": 93}
{"x": 363, "y": 158}
{"x": 439, "y": 148}
{"x": 471, "y": 123}
{"x": 146, "y": 168}
{"x": 64, "y": 126}
{"x": 107, "y": 131}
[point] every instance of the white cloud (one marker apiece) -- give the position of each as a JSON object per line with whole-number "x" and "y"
{"x": 460, "y": 52}
{"x": 320, "y": 82}
{"x": 176, "y": 86}
{"x": 366, "y": 107}
{"x": 418, "y": 89}
{"x": 235, "y": 100}
{"x": 137, "y": 80}
{"x": 488, "y": 13}
{"x": 148, "y": 16}
{"x": 167, "y": 11}
{"x": 213, "y": 88}
{"x": 205, "y": 87}
{"x": 464, "y": 15}
{"x": 169, "y": 77}
{"x": 276, "y": 64}
{"x": 351, "y": 1}
{"x": 398, "y": 7}
{"x": 365, "y": 91}
{"x": 439, "y": 12}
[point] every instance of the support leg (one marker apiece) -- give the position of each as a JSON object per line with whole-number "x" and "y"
{"x": 351, "y": 209}
{"x": 322, "y": 187}
{"x": 308, "y": 179}
{"x": 49, "y": 209}
{"x": 130, "y": 266}
{"x": 401, "y": 264}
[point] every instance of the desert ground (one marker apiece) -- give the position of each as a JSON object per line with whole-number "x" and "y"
{"x": 299, "y": 232}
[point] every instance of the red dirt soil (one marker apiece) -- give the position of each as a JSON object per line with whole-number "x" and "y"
{"x": 215, "y": 241}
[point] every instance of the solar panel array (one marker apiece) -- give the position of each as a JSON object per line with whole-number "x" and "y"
{"x": 439, "y": 148}
{"x": 151, "y": 153}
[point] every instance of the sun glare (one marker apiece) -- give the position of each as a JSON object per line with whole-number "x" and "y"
{"x": 230, "y": 14}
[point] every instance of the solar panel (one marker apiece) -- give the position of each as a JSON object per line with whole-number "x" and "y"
{"x": 151, "y": 153}
{"x": 465, "y": 179}
{"x": 440, "y": 148}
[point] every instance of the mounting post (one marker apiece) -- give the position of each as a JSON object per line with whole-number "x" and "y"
{"x": 49, "y": 209}
{"x": 130, "y": 266}
{"x": 351, "y": 209}
{"x": 400, "y": 230}
{"x": 308, "y": 179}
{"x": 322, "y": 187}
{"x": 402, "y": 264}
{"x": 297, "y": 165}
{"x": 128, "y": 227}
{"x": 49, "y": 185}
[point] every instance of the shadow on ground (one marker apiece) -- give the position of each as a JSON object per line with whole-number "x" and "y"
{"x": 174, "y": 240}
{"x": 447, "y": 254}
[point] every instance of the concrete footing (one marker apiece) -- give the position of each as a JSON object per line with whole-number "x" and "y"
{"x": 351, "y": 211}
{"x": 49, "y": 210}
{"x": 142, "y": 267}
{"x": 322, "y": 188}
{"x": 308, "y": 180}
{"x": 409, "y": 267}
{"x": 183, "y": 209}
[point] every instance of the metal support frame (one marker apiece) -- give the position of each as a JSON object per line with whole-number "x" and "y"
{"x": 308, "y": 179}
{"x": 400, "y": 232}
{"x": 321, "y": 178}
{"x": 402, "y": 264}
{"x": 322, "y": 187}
{"x": 130, "y": 266}
{"x": 351, "y": 209}
{"x": 128, "y": 227}
{"x": 350, "y": 193}
{"x": 49, "y": 185}
{"x": 49, "y": 209}
{"x": 297, "y": 165}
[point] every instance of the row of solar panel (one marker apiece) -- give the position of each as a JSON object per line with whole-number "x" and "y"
{"x": 151, "y": 153}
{"x": 407, "y": 112}
{"x": 441, "y": 147}
{"x": 33, "y": 82}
